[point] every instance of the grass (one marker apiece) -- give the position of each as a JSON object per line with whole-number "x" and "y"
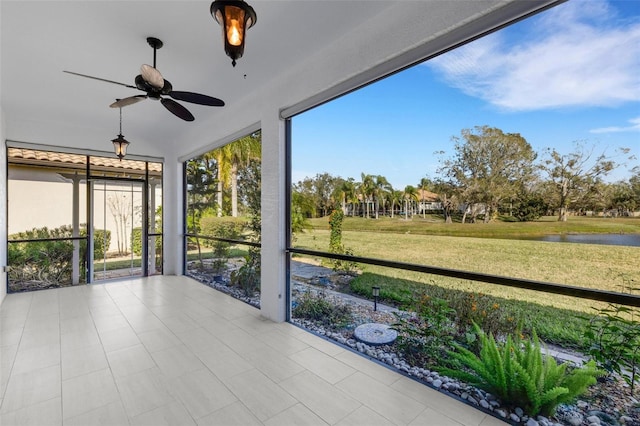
{"x": 434, "y": 225}
{"x": 492, "y": 249}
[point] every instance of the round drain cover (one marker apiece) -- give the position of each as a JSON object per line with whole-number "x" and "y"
{"x": 375, "y": 334}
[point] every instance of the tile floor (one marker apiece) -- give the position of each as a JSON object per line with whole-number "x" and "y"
{"x": 167, "y": 350}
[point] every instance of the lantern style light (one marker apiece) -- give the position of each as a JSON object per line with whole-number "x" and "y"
{"x": 375, "y": 291}
{"x": 120, "y": 144}
{"x": 235, "y": 17}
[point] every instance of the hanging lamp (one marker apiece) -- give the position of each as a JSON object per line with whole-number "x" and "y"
{"x": 120, "y": 144}
{"x": 235, "y": 17}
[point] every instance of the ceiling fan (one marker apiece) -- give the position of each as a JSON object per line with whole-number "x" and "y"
{"x": 154, "y": 85}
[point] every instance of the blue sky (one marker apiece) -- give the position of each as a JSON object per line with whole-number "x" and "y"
{"x": 568, "y": 74}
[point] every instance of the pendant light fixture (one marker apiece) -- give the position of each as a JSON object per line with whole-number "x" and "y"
{"x": 120, "y": 144}
{"x": 235, "y": 17}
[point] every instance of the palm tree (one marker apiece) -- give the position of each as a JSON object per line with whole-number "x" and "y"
{"x": 223, "y": 158}
{"x": 242, "y": 151}
{"x": 229, "y": 158}
{"x": 410, "y": 194}
{"x": 347, "y": 191}
{"x": 366, "y": 190}
{"x": 380, "y": 188}
{"x": 395, "y": 197}
{"x": 423, "y": 185}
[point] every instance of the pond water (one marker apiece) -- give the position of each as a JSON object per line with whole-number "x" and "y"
{"x": 605, "y": 239}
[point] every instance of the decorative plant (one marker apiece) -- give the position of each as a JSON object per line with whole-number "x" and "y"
{"x": 318, "y": 308}
{"x": 424, "y": 337}
{"x": 335, "y": 243}
{"x": 518, "y": 373}
{"x": 615, "y": 341}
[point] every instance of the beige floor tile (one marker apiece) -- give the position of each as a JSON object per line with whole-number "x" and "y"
{"x": 224, "y": 362}
{"x": 458, "y": 411}
{"x": 112, "y": 321}
{"x": 217, "y": 324}
{"x": 119, "y": 338}
{"x": 323, "y": 365}
{"x": 364, "y": 416}
{"x": 273, "y": 364}
{"x": 235, "y": 414}
{"x": 283, "y": 342}
{"x": 492, "y": 421}
{"x": 34, "y": 338}
{"x": 241, "y": 341}
{"x": 130, "y": 360}
{"x": 432, "y": 417}
{"x": 201, "y": 393}
{"x": 36, "y": 358}
{"x": 260, "y": 394}
{"x": 173, "y": 414}
{"x": 43, "y": 413}
{"x": 83, "y": 394}
{"x": 383, "y": 399}
{"x": 79, "y": 340}
{"x": 108, "y": 415}
{"x": 31, "y": 388}
{"x": 323, "y": 399}
{"x": 371, "y": 368}
{"x": 176, "y": 361}
{"x": 199, "y": 340}
{"x": 221, "y": 364}
{"x": 144, "y": 391}
{"x": 83, "y": 361}
{"x": 298, "y": 415}
{"x": 180, "y": 323}
{"x": 158, "y": 339}
{"x": 77, "y": 324}
{"x": 322, "y": 345}
{"x": 10, "y": 337}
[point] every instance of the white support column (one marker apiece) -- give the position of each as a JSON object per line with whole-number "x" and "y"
{"x": 172, "y": 217}
{"x": 151, "y": 249}
{"x": 273, "y": 286}
{"x": 75, "y": 223}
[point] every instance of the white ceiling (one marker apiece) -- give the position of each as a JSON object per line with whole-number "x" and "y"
{"x": 297, "y": 50}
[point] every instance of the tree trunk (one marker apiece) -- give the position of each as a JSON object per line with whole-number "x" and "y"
{"x": 219, "y": 194}
{"x": 234, "y": 190}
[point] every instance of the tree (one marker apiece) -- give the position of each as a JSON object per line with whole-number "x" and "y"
{"x": 348, "y": 195}
{"x": 380, "y": 189}
{"x": 423, "y": 185}
{"x": 202, "y": 173}
{"x": 448, "y": 198}
{"x": 120, "y": 207}
{"x": 410, "y": 195}
{"x": 489, "y": 166}
{"x": 396, "y": 199}
{"x": 573, "y": 176}
{"x": 366, "y": 190}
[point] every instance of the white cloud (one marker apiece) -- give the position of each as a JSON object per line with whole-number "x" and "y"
{"x": 634, "y": 127}
{"x": 576, "y": 54}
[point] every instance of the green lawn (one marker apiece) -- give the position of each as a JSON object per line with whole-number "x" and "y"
{"x": 492, "y": 249}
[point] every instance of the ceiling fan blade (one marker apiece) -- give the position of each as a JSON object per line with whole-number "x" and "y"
{"x": 177, "y": 109}
{"x": 128, "y": 101}
{"x": 196, "y": 98}
{"x": 101, "y": 79}
{"x": 152, "y": 76}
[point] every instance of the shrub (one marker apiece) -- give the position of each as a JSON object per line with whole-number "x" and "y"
{"x": 425, "y": 337}
{"x": 318, "y": 308}
{"x": 615, "y": 341}
{"x": 483, "y": 310}
{"x": 519, "y": 374}
{"x": 49, "y": 262}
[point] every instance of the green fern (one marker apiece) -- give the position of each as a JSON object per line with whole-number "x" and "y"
{"x": 519, "y": 374}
